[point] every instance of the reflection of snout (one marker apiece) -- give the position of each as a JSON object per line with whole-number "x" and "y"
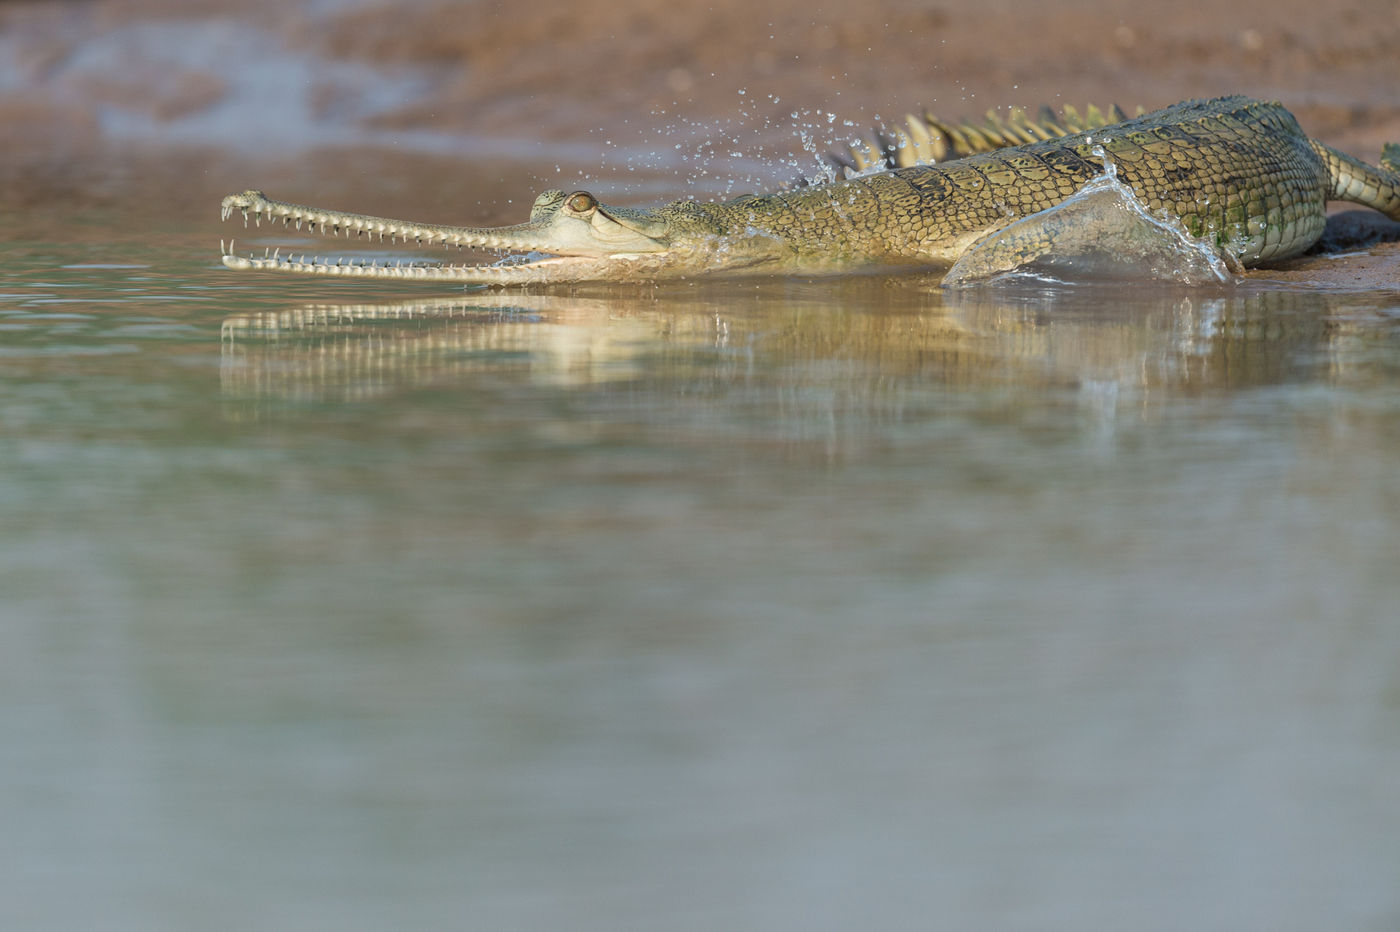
{"x": 354, "y": 352}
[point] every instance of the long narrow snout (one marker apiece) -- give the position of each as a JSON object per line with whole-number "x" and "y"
{"x": 567, "y": 238}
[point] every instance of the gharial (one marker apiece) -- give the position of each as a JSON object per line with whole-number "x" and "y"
{"x": 1238, "y": 173}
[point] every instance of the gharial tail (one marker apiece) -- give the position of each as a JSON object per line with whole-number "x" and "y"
{"x": 1354, "y": 180}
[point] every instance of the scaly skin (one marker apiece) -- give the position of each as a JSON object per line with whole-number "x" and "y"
{"x": 926, "y": 139}
{"x": 1238, "y": 172}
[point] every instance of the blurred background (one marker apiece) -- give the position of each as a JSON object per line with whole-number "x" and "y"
{"x": 492, "y": 98}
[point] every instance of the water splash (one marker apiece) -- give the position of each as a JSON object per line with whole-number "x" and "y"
{"x": 1101, "y": 233}
{"x": 757, "y": 148}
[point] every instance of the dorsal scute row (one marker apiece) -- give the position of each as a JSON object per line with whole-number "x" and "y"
{"x": 927, "y": 139}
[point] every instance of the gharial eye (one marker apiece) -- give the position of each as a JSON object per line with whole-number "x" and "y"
{"x": 582, "y": 202}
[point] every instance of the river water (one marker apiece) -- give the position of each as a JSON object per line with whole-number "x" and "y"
{"x": 790, "y": 604}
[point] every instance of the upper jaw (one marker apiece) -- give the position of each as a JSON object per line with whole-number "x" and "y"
{"x": 336, "y": 223}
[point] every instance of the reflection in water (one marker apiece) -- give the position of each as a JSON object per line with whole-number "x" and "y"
{"x": 883, "y": 335}
{"x": 343, "y": 352}
{"x": 785, "y": 606}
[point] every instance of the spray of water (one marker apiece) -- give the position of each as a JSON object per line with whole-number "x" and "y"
{"x": 1101, "y": 233}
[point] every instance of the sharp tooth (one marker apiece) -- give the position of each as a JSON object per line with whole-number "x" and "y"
{"x": 245, "y": 217}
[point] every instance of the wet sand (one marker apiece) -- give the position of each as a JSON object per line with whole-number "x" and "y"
{"x": 462, "y": 112}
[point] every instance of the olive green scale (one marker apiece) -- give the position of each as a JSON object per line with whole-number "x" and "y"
{"x": 1237, "y": 171}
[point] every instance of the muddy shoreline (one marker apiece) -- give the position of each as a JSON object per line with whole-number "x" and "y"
{"x": 461, "y": 112}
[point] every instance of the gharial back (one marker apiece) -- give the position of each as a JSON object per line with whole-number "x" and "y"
{"x": 1238, "y": 171}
